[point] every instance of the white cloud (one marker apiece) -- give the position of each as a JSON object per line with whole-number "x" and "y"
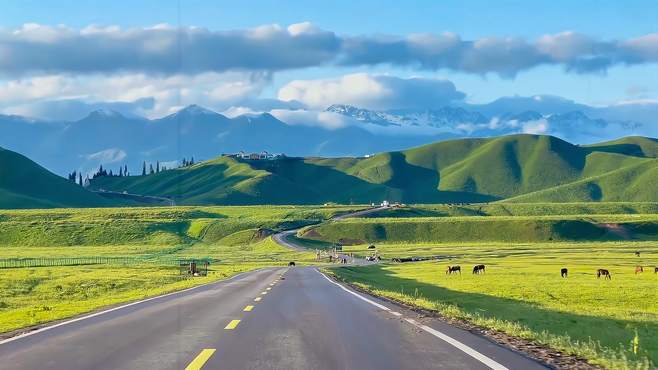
{"x": 539, "y": 126}
{"x": 328, "y": 120}
{"x": 214, "y": 90}
{"x": 107, "y": 156}
{"x": 35, "y": 48}
{"x": 371, "y": 91}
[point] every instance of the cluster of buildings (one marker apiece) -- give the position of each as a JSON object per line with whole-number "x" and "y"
{"x": 262, "y": 156}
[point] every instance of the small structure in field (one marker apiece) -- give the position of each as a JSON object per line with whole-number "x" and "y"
{"x": 194, "y": 267}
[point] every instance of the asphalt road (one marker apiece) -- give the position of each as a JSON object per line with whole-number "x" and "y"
{"x": 304, "y": 321}
{"x": 281, "y": 237}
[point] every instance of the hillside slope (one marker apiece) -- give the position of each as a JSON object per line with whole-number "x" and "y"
{"x": 636, "y": 183}
{"x": 454, "y": 171}
{"x": 25, "y": 184}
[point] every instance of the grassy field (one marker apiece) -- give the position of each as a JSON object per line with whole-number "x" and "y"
{"x": 522, "y": 293}
{"x": 492, "y": 229}
{"x": 147, "y": 243}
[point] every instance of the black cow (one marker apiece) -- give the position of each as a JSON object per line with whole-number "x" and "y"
{"x": 478, "y": 269}
{"x": 291, "y": 263}
{"x": 564, "y": 272}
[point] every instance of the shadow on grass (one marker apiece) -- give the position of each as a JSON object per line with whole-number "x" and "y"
{"x": 613, "y": 334}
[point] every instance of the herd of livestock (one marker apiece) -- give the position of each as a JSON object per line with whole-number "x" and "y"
{"x": 564, "y": 272}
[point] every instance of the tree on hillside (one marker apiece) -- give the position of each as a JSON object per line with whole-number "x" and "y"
{"x": 144, "y": 168}
{"x": 157, "y": 167}
{"x": 120, "y": 171}
{"x": 80, "y": 179}
{"x": 151, "y": 170}
{"x": 125, "y": 170}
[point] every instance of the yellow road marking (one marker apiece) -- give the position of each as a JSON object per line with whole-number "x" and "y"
{"x": 200, "y": 359}
{"x": 257, "y": 299}
{"x": 248, "y": 308}
{"x": 232, "y": 325}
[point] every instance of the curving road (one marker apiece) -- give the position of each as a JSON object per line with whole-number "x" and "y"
{"x": 258, "y": 321}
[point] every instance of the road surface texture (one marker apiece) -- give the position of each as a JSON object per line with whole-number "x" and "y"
{"x": 258, "y": 320}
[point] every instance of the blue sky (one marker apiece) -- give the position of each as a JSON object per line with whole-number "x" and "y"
{"x": 471, "y": 20}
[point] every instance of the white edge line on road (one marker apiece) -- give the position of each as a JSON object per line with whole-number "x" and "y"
{"x": 446, "y": 338}
{"x": 46, "y": 328}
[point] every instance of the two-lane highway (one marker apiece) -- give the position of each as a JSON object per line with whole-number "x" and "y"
{"x": 259, "y": 321}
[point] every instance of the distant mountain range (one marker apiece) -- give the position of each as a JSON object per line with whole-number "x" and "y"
{"x": 109, "y": 138}
{"x": 574, "y": 125}
{"x": 112, "y": 139}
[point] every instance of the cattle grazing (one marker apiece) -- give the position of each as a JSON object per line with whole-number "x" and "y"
{"x": 371, "y": 247}
{"x": 638, "y": 269}
{"x": 655, "y": 270}
{"x": 637, "y": 253}
{"x": 564, "y": 272}
{"x": 603, "y": 272}
{"x": 478, "y": 269}
{"x": 291, "y": 263}
{"x": 452, "y": 269}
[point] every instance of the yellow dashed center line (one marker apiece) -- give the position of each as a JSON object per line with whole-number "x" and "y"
{"x": 232, "y": 325}
{"x": 248, "y": 308}
{"x": 257, "y": 299}
{"x": 200, "y": 359}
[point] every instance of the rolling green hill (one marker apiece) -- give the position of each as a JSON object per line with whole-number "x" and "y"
{"x": 527, "y": 168}
{"x": 25, "y": 184}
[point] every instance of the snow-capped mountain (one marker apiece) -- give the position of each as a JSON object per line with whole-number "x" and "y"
{"x": 574, "y": 125}
{"x": 444, "y": 117}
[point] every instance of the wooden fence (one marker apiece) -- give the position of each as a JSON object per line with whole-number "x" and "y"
{"x": 79, "y": 261}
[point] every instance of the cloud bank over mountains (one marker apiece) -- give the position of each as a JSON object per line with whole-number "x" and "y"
{"x": 60, "y": 73}
{"x": 167, "y": 50}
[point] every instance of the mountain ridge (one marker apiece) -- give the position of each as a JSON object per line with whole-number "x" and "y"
{"x": 450, "y": 171}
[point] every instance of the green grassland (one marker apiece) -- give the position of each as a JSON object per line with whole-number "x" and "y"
{"x": 522, "y": 292}
{"x": 522, "y": 168}
{"x": 518, "y": 209}
{"x": 491, "y": 228}
{"x": 142, "y": 245}
{"x": 25, "y": 184}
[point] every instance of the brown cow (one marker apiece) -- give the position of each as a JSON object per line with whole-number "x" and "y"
{"x": 638, "y": 269}
{"x": 603, "y": 272}
{"x": 478, "y": 269}
{"x": 452, "y": 269}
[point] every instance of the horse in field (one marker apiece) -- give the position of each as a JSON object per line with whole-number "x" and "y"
{"x": 564, "y": 272}
{"x": 478, "y": 269}
{"x": 638, "y": 269}
{"x": 603, "y": 272}
{"x": 452, "y": 269}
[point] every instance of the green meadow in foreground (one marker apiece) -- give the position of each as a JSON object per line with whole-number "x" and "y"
{"x": 139, "y": 249}
{"x": 522, "y": 293}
